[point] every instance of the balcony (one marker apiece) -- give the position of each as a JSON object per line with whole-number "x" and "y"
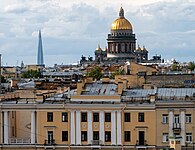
{"x": 19, "y": 141}
{"x": 141, "y": 143}
{"x": 96, "y": 142}
{"x": 176, "y": 127}
{"x": 49, "y": 143}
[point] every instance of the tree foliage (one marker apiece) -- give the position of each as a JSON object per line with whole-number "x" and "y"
{"x": 175, "y": 67}
{"x": 117, "y": 72}
{"x": 31, "y": 74}
{"x": 95, "y": 73}
{"x": 191, "y": 66}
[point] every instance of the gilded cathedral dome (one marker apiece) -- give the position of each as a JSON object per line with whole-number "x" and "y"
{"x": 121, "y": 23}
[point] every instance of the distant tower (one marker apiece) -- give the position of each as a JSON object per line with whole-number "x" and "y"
{"x": 40, "y": 51}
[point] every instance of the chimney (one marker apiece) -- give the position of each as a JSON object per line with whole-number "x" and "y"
{"x": 120, "y": 88}
{"x": 80, "y": 86}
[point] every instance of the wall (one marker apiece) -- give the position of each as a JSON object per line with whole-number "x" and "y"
{"x": 170, "y": 80}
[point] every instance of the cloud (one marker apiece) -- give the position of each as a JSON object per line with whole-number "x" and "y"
{"x": 15, "y": 8}
{"x": 70, "y": 29}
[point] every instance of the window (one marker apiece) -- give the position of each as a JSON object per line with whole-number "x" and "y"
{"x": 95, "y": 135}
{"x": 83, "y": 135}
{"x": 84, "y": 117}
{"x": 50, "y": 137}
{"x": 64, "y": 117}
{"x": 176, "y": 119}
{"x": 107, "y": 117}
{"x": 165, "y": 118}
{"x": 127, "y": 136}
{"x": 95, "y": 117}
{"x": 165, "y": 137}
{"x": 188, "y": 137}
{"x": 64, "y": 135}
{"x": 188, "y": 118}
{"x": 127, "y": 117}
{"x": 107, "y": 136}
{"x": 49, "y": 116}
{"x": 141, "y": 117}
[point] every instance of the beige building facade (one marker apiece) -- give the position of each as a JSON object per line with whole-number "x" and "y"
{"x": 99, "y": 115}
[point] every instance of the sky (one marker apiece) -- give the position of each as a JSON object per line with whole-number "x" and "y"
{"x": 72, "y": 28}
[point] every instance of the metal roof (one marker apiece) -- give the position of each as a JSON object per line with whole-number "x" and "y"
{"x": 100, "y": 89}
{"x": 161, "y": 92}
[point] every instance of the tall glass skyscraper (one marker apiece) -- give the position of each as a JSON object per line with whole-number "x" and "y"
{"x": 40, "y": 51}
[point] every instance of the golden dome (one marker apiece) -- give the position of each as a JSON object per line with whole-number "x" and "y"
{"x": 139, "y": 48}
{"x": 121, "y": 23}
{"x": 144, "y": 48}
{"x": 98, "y": 48}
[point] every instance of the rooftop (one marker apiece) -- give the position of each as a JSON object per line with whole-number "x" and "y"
{"x": 100, "y": 89}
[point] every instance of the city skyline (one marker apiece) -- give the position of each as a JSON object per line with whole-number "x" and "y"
{"x": 70, "y": 29}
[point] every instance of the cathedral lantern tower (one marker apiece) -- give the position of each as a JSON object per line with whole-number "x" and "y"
{"x": 121, "y": 40}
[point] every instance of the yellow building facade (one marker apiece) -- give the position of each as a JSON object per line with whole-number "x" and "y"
{"x": 99, "y": 115}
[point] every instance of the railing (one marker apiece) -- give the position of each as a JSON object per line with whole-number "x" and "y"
{"x": 141, "y": 143}
{"x": 49, "y": 142}
{"x": 19, "y": 141}
{"x": 96, "y": 142}
{"x": 176, "y": 126}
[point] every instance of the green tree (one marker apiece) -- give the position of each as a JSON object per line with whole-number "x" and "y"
{"x": 117, "y": 72}
{"x": 95, "y": 73}
{"x": 191, "y": 66}
{"x": 174, "y": 67}
{"x": 31, "y": 74}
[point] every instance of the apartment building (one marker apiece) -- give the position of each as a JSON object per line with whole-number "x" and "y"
{"x": 99, "y": 115}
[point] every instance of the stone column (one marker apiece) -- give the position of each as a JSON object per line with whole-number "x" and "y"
{"x": 113, "y": 128}
{"x": 134, "y": 47}
{"x": 78, "y": 127}
{"x": 130, "y": 46}
{"x": 116, "y": 49}
{"x": 90, "y": 129}
{"x": 183, "y": 127}
{"x": 112, "y": 51}
{"x": 170, "y": 123}
{"x": 119, "y": 133}
{"x": 33, "y": 127}
{"x": 102, "y": 127}
{"x": 6, "y": 127}
{"x": 123, "y": 47}
{"x": 72, "y": 127}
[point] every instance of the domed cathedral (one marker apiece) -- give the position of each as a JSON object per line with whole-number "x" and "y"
{"x": 122, "y": 41}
